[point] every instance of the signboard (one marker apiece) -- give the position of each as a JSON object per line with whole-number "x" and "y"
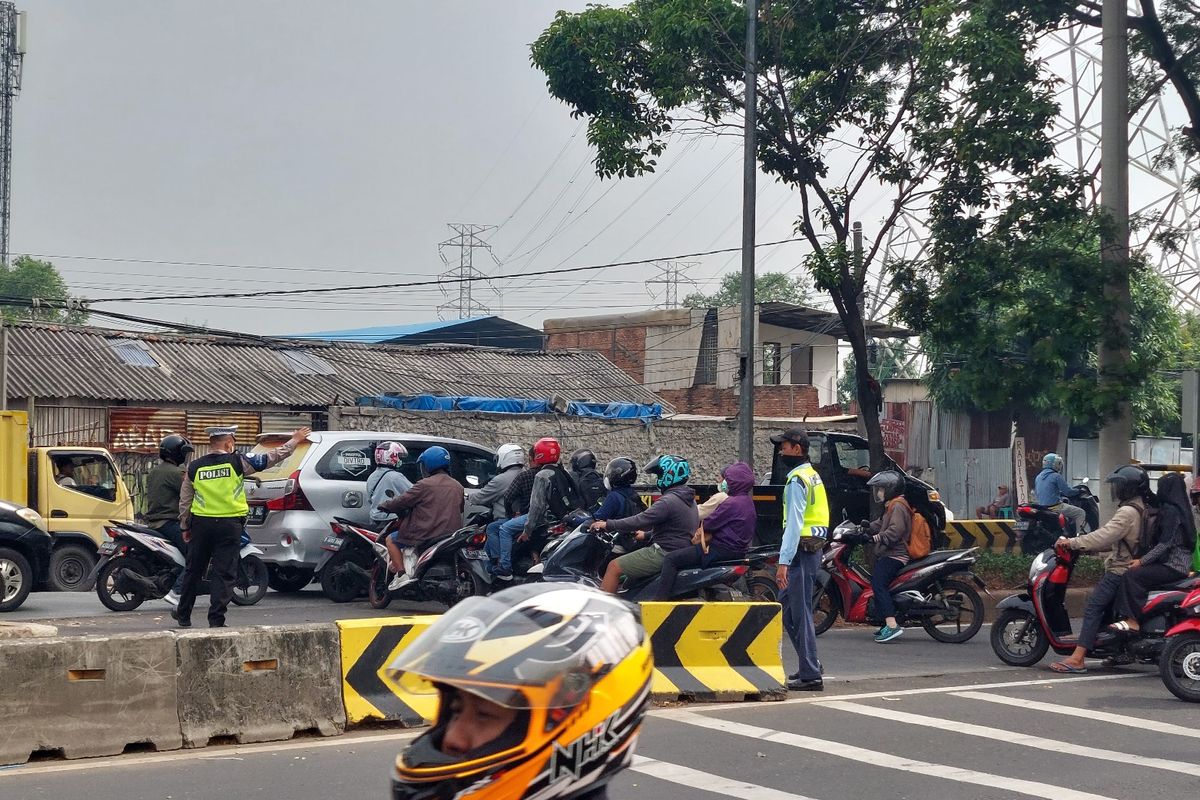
{"x": 1020, "y": 476}
{"x": 894, "y": 432}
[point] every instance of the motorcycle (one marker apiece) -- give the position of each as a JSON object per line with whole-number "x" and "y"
{"x": 136, "y": 564}
{"x": 1179, "y": 664}
{"x": 345, "y": 566}
{"x": 934, "y": 592}
{"x": 1039, "y": 527}
{"x": 1036, "y": 620}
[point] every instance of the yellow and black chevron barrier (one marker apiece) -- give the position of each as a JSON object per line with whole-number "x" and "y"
{"x": 715, "y": 651}
{"x": 997, "y": 535}
{"x": 368, "y": 647}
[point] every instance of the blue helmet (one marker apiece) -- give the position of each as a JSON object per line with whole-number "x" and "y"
{"x": 1052, "y": 461}
{"x": 668, "y": 471}
{"x": 434, "y": 458}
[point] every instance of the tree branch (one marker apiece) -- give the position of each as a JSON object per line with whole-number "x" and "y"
{"x": 1164, "y": 55}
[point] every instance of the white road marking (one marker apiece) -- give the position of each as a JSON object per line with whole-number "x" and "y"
{"x": 1085, "y": 713}
{"x": 708, "y": 782}
{"x": 887, "y": 760}
{"x": 213, "y": 753}
{"x": 1013, "y": 737}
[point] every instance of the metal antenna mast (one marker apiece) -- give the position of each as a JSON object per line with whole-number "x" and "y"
{"x": 461, "y": 302}
{"x": 12, "y": 54}
{"x": 670, "y": 275}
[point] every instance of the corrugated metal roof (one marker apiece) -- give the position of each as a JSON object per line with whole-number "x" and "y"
{"x": 54, "y": 361}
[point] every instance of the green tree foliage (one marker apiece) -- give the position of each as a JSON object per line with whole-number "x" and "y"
{"x": 768, "y": 288}
{"x": 29, "y": 278}
{"x": 892, "y": 359}
{"x": 938, "y": 105}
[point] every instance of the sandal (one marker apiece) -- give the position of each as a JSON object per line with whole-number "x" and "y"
{"x": 1123, "y": 627}
{"x": 1064, "y": 668}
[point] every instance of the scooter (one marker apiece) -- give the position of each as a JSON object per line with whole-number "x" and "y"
{"x": 1179, "y": 664}
{"x": 934, "y": 592}
{"x": 1039, "y": 527}
{"x": 136, "y": 564}
{"x": 345, "y": 566}
{"x": 1036, "y": 620}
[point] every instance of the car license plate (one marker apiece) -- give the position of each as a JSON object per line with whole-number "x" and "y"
{"x": 108, "y": 548}
{"x": 1022, "y": 525}
{"x": 333, "y": 542}
{"x": 258, "y": 515}
{"x": 478, "y": 555}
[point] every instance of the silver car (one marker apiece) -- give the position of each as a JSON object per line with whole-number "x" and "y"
{"x": 292, "y": 503}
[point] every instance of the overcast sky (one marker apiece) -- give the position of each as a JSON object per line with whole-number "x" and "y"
{"x": 332, "y": 143}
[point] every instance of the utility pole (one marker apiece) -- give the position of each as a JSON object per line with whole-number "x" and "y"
{"x": 12, "y": 55}
{"x": 670, "y": 275}
{"x": 462, "y": 303}
{"x": 3, "y": 364}
{"x": 1114, "y": 247}
{"x": 856, "y": 255}
{"x": 749, "y": 181}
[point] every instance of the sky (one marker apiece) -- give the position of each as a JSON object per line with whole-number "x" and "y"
{"x": 298, "y": 143}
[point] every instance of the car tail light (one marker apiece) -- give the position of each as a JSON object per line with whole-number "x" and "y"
{"x": 293, "y": 498}
{"x": 477, "y": 540}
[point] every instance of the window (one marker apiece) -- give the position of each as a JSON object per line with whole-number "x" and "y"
{"x": 352, "y": 460}
{"x": 304, "y": 362}
{"x": 802, "y": 366}
{"x": 284, "y": 469}
{"x": 851, "y": 455}
{"x": 477, "y": 468}
{"x": 133, "y": 353}
{"x": 706, "y": 362}
{"x": 87, "y": 473}
{"x": 771, "y": 356}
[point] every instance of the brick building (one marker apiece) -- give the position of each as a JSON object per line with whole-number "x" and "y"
{"x": 689, "y": 356}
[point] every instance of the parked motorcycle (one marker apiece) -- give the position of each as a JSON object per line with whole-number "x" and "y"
{"x": 136, "y": 564}
{"x": 1036, "y": 620}
{"x": 934, "y": 592}
{"x": 1179, "y": 664}
{"x": 1039, "y": 527}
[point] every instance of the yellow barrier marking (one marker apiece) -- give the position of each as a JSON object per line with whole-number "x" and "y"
{"x": 357, "y": 636}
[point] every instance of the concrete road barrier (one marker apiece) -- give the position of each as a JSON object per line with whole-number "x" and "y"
{"x": 997, "y": 535}
{"x": 716, "y": 651}
{"x": 259, "y": 684}
{"x": 368, "y": 647}
{"x": 87, "y": 696}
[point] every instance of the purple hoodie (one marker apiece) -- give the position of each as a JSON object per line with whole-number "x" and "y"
{"x": 732, "y": 524}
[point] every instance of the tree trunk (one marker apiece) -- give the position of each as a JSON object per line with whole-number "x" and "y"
{"x": 869, "y": 398}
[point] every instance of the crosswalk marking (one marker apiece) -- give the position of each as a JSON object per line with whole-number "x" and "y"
{"x": 1084, "y": 713}
{"x": 887, "y": 760}
{"x": 706, "y": 781}
{"x": 1013, "y": 737}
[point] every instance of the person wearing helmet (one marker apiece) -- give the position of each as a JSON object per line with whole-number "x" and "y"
{"x": 558, "y": 715}
{"x": 435, "y": 507}
{"x": 1050, "y": 488}
{"x": 387, "y": 481}
{"x": 589, "y": 483}
{"x": 510, "y": 458}
{"x": 668, "y": 524}
{"x": 1130, "y": 487}
{"x": 163, "y": 486}
{"x": 890, "y": 534}
{"x": 622, "y": 500}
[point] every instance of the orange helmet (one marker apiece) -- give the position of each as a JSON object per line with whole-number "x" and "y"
{"x": 574, "y": 665}
{"x": 546, "y": 451}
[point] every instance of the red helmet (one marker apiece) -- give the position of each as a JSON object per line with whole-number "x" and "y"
{"x": 546, "y": 451}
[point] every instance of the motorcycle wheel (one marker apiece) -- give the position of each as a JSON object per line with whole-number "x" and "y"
{"x": 1017, "y": 639}
{"x": 377, "y": 592}
{"x": 253, "y": 580}
{"x": 106, "y": 584}
{"x": 467, "y": 585}
{"x": 949, "y": 627}
{"x": 827, "y": 606}
{"x": 339, "y": 582}
{"x": 1179, "y": 666}
{"x": 762, "y": 590}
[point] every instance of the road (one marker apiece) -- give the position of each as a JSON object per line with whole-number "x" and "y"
{"x": 1109, "y": 735}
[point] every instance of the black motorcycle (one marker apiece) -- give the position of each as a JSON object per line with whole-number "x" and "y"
{"x": 1039, "y": 527}
{"x": 345, "y": 566}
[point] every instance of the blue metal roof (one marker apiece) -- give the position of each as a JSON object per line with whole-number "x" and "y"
{"x": 385, "y": 333}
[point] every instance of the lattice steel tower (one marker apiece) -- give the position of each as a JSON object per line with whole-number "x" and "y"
{"x": 12, "y": 53}
{"x": 461, "y": 302}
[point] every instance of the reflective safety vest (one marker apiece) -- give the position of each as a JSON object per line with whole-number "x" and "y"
{"x": 816, "y": 509}
{"x": 219, "y": 485}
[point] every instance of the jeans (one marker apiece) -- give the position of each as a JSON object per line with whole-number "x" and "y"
{"x": 171, "y": 531}
{"x": 1138, "y": 583}
{"x": 500, "y": 535}
{"x": 219, "y": 540}
{"x": 882, "y": 575}
{"x": 1098, "y": 603}
{"x": 687, "y": 558}
{"x": 797, "y": 612}
{"x": 1074, "y": 514}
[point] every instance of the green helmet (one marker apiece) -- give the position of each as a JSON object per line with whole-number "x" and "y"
{"x": 669, "y": 471}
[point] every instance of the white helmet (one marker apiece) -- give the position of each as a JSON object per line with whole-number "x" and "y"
{"x": 510, "y": 455}
{"x": 390, "y": 454}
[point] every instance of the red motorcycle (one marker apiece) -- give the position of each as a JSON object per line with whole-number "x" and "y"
{"x": 1179, "y": 663}
{"x": 934, "y": 592}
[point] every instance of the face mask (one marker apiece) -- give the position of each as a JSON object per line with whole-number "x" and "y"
{"x": 723, "y": 486}
{"x": 791, "y": 461}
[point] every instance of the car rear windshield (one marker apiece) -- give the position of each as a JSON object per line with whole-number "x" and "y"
{"x": 284, "y": 469}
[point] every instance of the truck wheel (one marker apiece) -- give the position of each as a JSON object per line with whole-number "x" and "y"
{"x": 70, "y": 565}
{"x": 289, "y": 579}
{"x": 16, "y": 579}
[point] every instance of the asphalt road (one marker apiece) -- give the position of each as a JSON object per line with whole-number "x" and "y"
{"x": 1012, "y": 734}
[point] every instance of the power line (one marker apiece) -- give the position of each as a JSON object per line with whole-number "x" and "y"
{"x": 464, "y": 273}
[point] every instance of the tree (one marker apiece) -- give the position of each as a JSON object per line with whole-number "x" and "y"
{"x": 28, "y": 278}
{"x": 938, "y": 105}
{"x": 770, "y": 287}
{"x": 892, "y": 359}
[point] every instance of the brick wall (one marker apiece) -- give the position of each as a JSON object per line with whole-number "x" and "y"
{"x": 625, "y": 347}
{"x": 769, "y": 401}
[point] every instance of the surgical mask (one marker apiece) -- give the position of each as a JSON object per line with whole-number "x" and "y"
{"x": 723, "y": 486}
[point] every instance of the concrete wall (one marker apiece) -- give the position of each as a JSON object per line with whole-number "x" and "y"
{"x": 672, "y": 351}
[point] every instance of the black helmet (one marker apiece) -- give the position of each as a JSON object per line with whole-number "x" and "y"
{"x": 886, "y": 485}
{"x": 583, "y": 459}
{"x": 621, "y": 471}
{"x": 174, "y": 449}
{"x": 1127, "y": 482}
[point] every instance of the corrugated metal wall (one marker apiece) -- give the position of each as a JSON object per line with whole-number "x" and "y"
{"x": 54, "y": 425}
{"x": 969, "y": 478}
{"x": 920, "y": 427}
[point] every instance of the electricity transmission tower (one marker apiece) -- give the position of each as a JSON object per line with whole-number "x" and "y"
{"x": 670, "y": 275}
{"x": 461, "y": 302}
{"x": 12, "y": 54}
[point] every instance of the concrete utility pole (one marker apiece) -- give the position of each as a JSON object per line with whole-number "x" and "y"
{"x": 749, "y": 180}
{"x": 1114, "y": 248}
{"x": 12, "y": 54}
{"x": 3, "y": 365}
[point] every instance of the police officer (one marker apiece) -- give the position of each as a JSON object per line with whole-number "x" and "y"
{"x": 805, "y": 531}
{"x": 212, "y": 513}
{"x": 162, "y": 497}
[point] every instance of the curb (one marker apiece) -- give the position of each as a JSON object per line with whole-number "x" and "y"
{"x": 26, "y": 630}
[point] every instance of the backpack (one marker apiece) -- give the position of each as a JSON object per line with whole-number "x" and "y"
{"x": 590, "y": 486}
{"x": 1150, "y": 531}
{"x": 920, "y": 543}
{"x": 564, "y": 497}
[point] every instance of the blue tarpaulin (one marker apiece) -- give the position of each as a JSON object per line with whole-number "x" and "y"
{"x": 512, "y": 405}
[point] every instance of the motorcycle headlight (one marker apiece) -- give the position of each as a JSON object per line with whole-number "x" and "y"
{"x": 1039, "y": 564}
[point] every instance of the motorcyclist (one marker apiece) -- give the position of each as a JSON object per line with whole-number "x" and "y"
{"x": 668, "y": 525}
{"x": 552, "y": 496}
{"x": 509, "y": 460}
{"x": 387, "y": 481}
{"x": 162, "y": 498}
{"x": 890, "y": 534}
{"x": 1130, "y": 487}
{"x": 622, "y": 500}
{"x": 1050, "y": 488}
{"x": 557, "y": 716}
{"x": 435, "y": 506}
{"x": 589, "y": 483}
